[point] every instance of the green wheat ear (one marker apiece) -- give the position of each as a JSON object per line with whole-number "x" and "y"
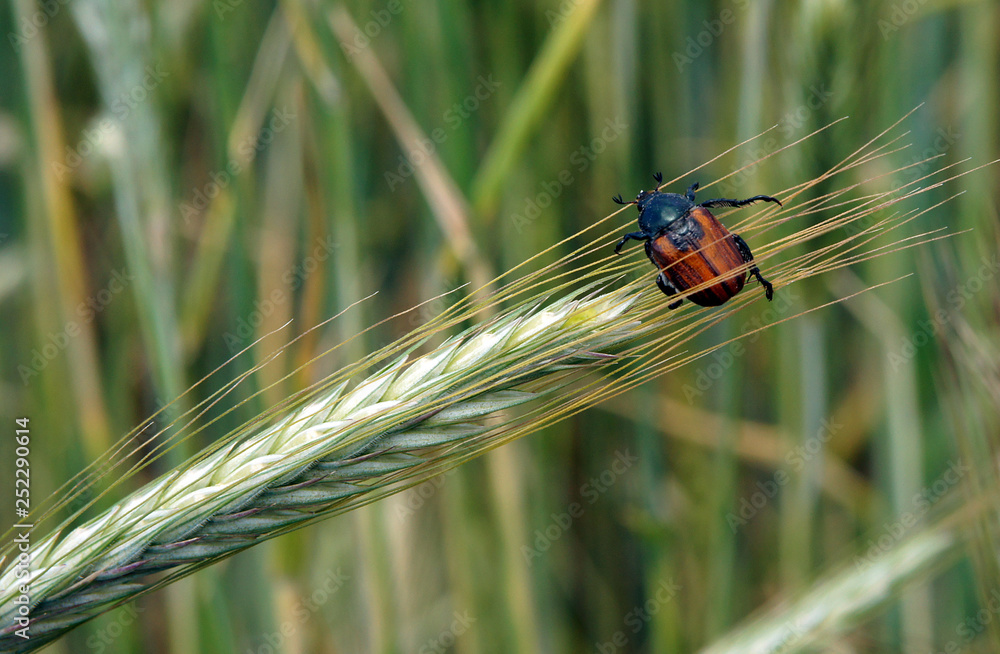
{"x": 343, "y": 446}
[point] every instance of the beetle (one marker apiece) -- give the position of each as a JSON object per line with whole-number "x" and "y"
{"x": 690, "y": 246}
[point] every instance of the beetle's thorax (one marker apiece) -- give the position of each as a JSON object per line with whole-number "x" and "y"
{"x": 657, "y": 211}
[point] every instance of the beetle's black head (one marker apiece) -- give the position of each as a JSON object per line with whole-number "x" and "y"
{"x": 643, "y": 198}
{"x": 657, "y": 211}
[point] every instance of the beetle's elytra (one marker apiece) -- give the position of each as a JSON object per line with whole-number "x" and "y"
{"x": 691, "y": 247}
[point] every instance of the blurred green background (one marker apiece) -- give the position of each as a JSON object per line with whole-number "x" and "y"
{"x": 179, "y": 179}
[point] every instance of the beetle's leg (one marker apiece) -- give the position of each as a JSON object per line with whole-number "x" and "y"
{"x": 689, "y": 194}
{"x": 723, "y": 202}
{"x": 635, "y": 236}
{"x": 747, "y": 255}
{"x": 668, "y": 289}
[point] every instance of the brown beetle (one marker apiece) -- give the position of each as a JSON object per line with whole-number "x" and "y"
{"x": 690, "y": 246}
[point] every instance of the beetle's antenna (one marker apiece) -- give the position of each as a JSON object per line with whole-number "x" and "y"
{"x": 618, "y": 200}
{"x": 725, "y": 202}
{"x": 659, "y": 180}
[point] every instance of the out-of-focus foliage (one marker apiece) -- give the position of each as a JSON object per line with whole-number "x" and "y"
{"x": 179, "y": 179}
